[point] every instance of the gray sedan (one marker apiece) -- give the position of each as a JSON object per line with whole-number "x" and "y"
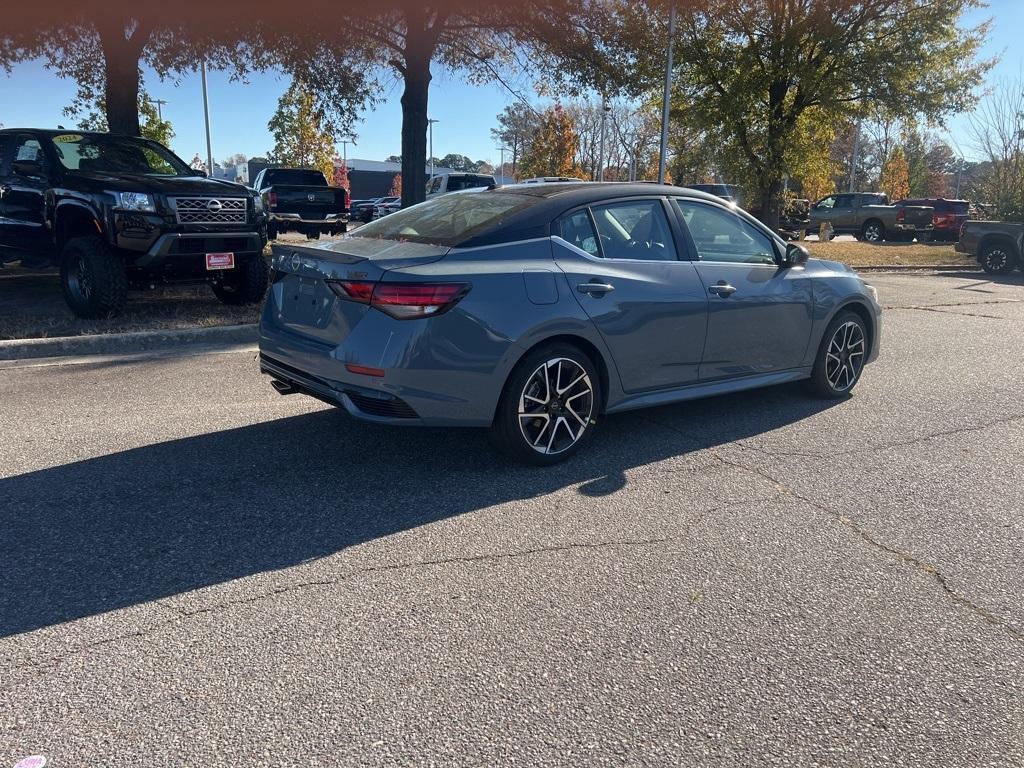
{"x": 534, "y": 309}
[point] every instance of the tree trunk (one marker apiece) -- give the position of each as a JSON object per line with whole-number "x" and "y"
{"x": 771, "y": 200}
{"x": 121, "y": 52}
{"x": 417, "y": 76}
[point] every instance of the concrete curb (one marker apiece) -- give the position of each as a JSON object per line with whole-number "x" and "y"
{"x": 920, "y": 268}
{"x": 126, "y": 343}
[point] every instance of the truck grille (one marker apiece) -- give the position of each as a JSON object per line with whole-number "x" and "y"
{"x": 211, "y": 210}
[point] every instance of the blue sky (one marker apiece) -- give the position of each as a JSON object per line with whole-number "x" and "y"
{"x": 33, "y": 96}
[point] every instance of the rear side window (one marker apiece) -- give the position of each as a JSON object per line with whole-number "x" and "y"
{"x": 578, "y": 230}
{"x": 636, "y": 230}
{"x": 456, "y": 183}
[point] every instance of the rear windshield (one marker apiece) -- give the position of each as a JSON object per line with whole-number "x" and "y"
{"x": 456, "y": 183}
{"x": 951, "y": 206}
{"x": 295, "y": 176}
{"x": 448, "y": 220}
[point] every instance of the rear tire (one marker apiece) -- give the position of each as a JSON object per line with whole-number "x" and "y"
{"x": 873, "y": 231}
{"x": 549, "y": 406}
{"x": 312, "y": 235}
{"x": 93, "y": 278}
{"x": 998, "y": 259}
{"x": 247, "y": 284}
{"x": 841, "y": 356}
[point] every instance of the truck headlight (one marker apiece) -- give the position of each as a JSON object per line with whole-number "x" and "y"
{"x": 135, "y": 201}
{"x": 257, "y": 203}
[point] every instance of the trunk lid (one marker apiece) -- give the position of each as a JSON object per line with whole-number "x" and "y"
{"x": 305, "y": 303}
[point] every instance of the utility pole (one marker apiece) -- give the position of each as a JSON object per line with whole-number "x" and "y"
{"x": 206, "y": 114}
{"x": 663, "y": 155}
{"x": 959, "y": 176}
{"x": 430, "y": 124}
{"x": 605, "y": 109}
{"x": 159, "y": 112}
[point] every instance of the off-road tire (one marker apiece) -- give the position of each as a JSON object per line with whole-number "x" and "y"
{"x": 998, "y": 258}
{"x": 245, "y": 284}
{"x": 93, "y": 278}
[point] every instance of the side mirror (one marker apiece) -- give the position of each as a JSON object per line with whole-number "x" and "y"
{"x": 197, "y": 172}
{"x": 795, "y": 255}
{"x": 28, "y": 168}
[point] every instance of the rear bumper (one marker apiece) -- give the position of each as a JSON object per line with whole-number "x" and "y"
{"x": 418, "y": 387}
{"x": 288, "y": 220}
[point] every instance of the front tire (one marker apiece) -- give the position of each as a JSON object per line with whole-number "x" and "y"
{"x": 247, "y": 284}
{"x": 998, "y": 259}
{"x": 841, "y": 356}
{"x": 93, "y": 278}
{"x": 549, "y": 406}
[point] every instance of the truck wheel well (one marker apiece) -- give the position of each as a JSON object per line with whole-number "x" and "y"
{"x": 879, "y": 222}
{"x": 1003, "y": 240}
{"x": 75, "y": 221}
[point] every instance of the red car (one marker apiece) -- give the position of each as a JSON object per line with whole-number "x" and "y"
{"x": 948, "y": 217}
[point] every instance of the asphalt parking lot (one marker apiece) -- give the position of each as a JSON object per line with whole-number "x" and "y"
{"x": 198, "y": 571}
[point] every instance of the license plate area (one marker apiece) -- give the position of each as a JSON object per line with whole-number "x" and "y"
{"x": 216, "y": 261}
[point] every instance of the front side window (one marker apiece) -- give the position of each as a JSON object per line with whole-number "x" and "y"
{"x": 636, "y": 230}
{"x": 720, "y": 235}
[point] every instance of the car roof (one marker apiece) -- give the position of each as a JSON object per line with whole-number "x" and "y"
{"x": 62, "y": 131}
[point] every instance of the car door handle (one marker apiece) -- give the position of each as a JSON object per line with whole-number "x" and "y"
{"x": 721, "y": 288}
{"x": 4, "y": 190}
{"x": 598, "y": 288}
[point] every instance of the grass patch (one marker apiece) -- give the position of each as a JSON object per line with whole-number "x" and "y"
{"x": 884, "y": 254}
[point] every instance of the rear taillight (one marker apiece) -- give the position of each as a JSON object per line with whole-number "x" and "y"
{"x": 901, "y": 215}
{"x": 403, "y": 301}
{"x": 272, "y": 200}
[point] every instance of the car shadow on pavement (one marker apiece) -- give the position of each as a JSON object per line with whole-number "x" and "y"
{"x": 131, "y": 527}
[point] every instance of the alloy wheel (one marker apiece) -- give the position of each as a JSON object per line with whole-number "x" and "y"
{"x": 872, "y": 233}
{"x": 556, "y": 405}
{"x": 80, "y": 279}
{"x": 844, "y": 357}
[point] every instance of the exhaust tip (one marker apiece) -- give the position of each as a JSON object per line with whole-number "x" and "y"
{"x": 283, "y": 387}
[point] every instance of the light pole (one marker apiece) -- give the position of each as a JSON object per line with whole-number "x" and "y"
{"x": 206, "y": 114}
{"x": 501, "y": 168}
{"x": 605, "y": 109}
{"x": 663, "y": 154}
{"x": 344, "y": 148}
{"x": 430, "y": 124}
{"x": 159, "y": 112}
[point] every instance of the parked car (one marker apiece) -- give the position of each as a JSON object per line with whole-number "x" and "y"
{"x": 869, "y": 217}
{"x": 301, "y": 200}
{"x": 362, "y": 210}
{"x": 116, "y": 212}
{"x": 947, "y": 218}
{"x": 997, "y": 245}
{"x": 729, "y": 192}
{"x": 795, "y": 218}
{"x": 534, "y": 310}
{"x": 454, "y": 182}
{"x": 386, "y": 205}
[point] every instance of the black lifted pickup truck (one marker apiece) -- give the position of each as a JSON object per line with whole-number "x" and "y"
{"x": 300, "y": 200}
{"x": 116, "y": 212}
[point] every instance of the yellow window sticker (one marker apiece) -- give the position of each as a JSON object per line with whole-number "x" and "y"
{"x": 67, "y": 138}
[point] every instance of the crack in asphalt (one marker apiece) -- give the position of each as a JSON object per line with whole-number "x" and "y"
{"x": 869, "y": 538}
{"x": 942, "y": 311}
{"x": 744, "y": 445}
{"x": 180, "y": 614}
